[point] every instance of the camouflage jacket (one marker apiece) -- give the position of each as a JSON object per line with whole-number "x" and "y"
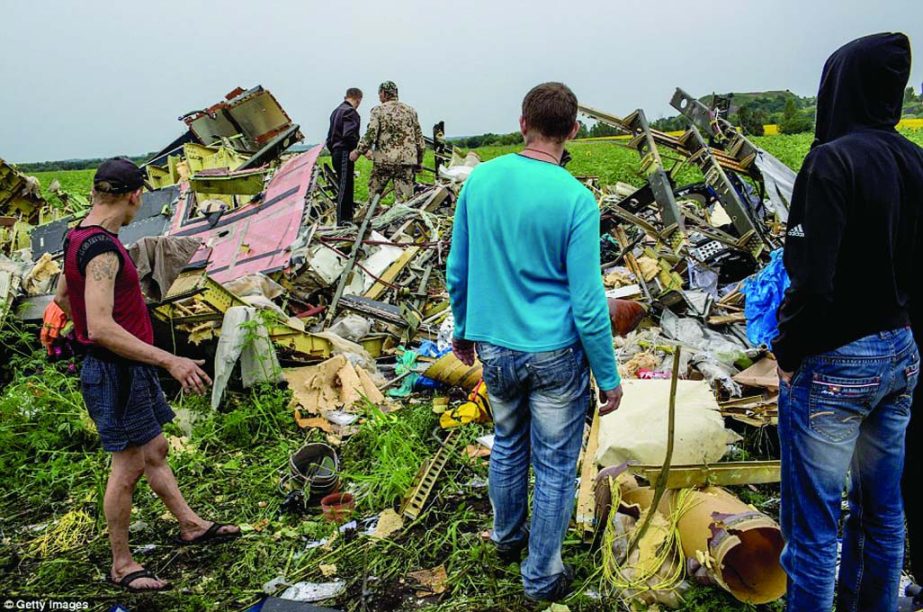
{"x": 393, "y": 135}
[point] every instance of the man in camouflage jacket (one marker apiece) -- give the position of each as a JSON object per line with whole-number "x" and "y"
{"x": 394, "y": 142}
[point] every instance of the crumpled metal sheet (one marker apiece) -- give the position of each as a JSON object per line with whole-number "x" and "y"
{"x": 255, "y": 237}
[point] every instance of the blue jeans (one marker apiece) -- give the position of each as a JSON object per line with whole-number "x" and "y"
{"x": 846, "y": 412}
{"x": 539, "y": 403}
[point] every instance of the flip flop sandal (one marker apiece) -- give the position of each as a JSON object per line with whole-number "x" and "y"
{"x": 211, "y": 536}
{"x": 127, "y": 579}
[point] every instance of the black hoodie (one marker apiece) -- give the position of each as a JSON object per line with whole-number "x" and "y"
{"x": 854, "y": 232}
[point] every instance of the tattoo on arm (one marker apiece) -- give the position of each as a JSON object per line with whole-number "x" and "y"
{"x": 104, "y": 267}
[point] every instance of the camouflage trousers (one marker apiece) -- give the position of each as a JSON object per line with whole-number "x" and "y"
{"x": 402, "y": 175}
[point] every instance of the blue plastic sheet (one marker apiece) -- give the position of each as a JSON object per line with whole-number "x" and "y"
{"x": 429, "y": 349}
{"x": 764, "y": 292}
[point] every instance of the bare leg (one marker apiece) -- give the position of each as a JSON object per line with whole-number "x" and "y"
{"x": 163, "y": 482}
{"x": 127, "y": 467}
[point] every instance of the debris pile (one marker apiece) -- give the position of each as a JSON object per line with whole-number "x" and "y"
{"x": 243, "y": 261}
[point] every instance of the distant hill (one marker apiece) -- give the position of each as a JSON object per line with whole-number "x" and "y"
{"x": 785, "y": 108}
{"x": 767, "y": 101}
{"x": 759, "y": 108}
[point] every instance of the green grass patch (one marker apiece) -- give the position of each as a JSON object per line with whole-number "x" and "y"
{"x": 609, "y": 161}
{"x": 76, "y": 182}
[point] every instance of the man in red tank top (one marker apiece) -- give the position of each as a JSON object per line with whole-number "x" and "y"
{"x": 100, "y": 292}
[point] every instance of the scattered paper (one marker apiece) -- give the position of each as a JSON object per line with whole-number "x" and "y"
{"x": 313, "y": 422}
{"x": 313, "y": 591}
{"x": 432, "y": 580}
{"x": 389, "y": 522}
{"x": 474, "y": 451}
{"x": 329, "y": 388}
{"x": 624, "y": 292}
{"x": 327, "y": 570}
{"x": 340, "y": 417}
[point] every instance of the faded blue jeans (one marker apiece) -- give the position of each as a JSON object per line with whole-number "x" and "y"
{"x": 539, "y": 403}
{"x": 846, "y": 412}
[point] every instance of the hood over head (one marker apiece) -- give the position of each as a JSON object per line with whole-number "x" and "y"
{"x": 862, "y": 86}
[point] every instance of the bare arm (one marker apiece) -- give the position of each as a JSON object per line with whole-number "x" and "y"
{"x": 104, "y": 331}
{"x": 60, "y": 296}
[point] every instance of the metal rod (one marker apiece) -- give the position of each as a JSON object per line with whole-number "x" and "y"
{"x": 331, "y": 312}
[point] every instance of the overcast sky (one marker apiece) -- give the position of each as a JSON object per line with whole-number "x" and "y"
{"x": 93, "y": 78}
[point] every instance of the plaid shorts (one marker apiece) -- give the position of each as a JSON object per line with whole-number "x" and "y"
{"x": 125, "y": 401}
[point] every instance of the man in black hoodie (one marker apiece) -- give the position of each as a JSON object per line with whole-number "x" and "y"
{"x": 847, "y": 359}
{"x": 342, "y": 138}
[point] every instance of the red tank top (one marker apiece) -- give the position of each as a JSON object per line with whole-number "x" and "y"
{"x": 128, "y": 307}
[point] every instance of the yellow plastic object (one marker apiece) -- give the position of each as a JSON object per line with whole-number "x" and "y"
{"x": 745, "y": 544}
{"x": 248, "y": 182}
{"x": 475, "y": 410}
{"x": 450, "y": 371}
{"x": 742, "y": 545}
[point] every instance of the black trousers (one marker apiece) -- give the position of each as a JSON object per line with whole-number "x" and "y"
{"x": 913, "y": 484}
{"x": 344, "y": 170}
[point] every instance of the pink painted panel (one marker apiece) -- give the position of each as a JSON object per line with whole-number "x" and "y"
{"x": 255, "y": 237}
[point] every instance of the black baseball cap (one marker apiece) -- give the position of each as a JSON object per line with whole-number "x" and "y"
{"x": 119, "y": 175}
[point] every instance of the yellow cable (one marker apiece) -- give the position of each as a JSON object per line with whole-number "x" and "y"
{"x": 616, "y": 572}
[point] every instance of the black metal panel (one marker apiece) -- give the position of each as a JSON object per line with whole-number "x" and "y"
{"x": 49, "y": 238}
{"x": 152, "y": 226}
{"x": 150, "y": 221}
{"x": 153, "y": 202}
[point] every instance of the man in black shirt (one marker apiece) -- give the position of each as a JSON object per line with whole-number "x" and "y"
{"x": 342, "y": 138}
{"x": 847, "y": 359}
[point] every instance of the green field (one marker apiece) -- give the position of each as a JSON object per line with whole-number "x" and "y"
{"x": 610, "y": 161}
{"x": 229, "y": 462}
{"x": 78, "y": 182}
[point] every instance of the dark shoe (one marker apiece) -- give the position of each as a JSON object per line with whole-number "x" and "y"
{"x": 512, "y": 553}
{"x": 210, "y": 536}
{"x": 128, "y": 579}
{"x": 561, "y": 589}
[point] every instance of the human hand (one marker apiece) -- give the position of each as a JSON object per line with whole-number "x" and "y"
{"x": 368, "y": 154}
{"x": 464, "y": 350}
{"x": 353, "y": 156}
{"x": 189, "y": 374}
{"x": 610, "y": 400}
{"x": 784, "y": 376}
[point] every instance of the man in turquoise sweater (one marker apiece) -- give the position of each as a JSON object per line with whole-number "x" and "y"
{"x": 523, "y": 275}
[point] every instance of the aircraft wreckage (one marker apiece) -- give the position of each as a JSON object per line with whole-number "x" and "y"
{"x": 253, "y": 209}
{"x": 237, "y": 237}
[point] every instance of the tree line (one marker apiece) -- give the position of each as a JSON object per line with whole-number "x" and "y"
{"x": 76, "y": 164}
{"x": 750, "y": 112}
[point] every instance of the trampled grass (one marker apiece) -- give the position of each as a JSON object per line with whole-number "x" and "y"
{"x": 229, "y": 463}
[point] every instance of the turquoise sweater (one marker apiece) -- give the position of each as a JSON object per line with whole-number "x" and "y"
{"x": 523, "y": 272}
